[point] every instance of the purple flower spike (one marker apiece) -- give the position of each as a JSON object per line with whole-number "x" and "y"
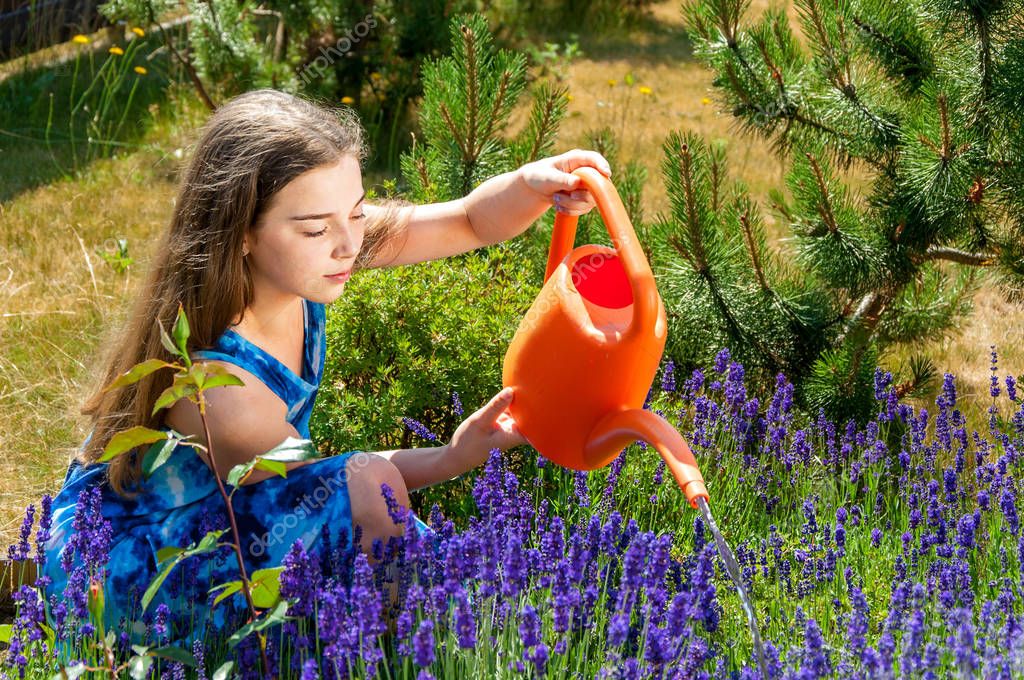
{"x": 420, "y": 429}
{"x": 423, "y": 643}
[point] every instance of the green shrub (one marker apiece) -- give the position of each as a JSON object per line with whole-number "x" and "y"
{"x": 402, "y": 340}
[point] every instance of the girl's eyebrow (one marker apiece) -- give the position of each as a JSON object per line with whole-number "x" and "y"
{"x": 320, "y": 216}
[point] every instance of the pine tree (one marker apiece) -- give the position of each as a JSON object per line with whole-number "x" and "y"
{"x": 922, "y": 97}
{"x": 468, "y": 98}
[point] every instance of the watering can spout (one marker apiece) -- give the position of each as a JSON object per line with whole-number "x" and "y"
{"x": 621, "y": 428}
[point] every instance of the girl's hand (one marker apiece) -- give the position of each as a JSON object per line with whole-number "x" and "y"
{"x": 491, "y": 427}
{"x": 551, "y": 177}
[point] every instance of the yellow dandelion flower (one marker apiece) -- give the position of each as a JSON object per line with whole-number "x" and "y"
{"x": 116, "y": 50}
{"x": 612, "y": 82}
{"x": 568, "y": 97}
{"x": 141, "y": 70}
{"x": 138, "y": 31}
{"x": 646, "y": 90}
{"x": 347, "y": 100}
{"x": 81, "y": 39}
{"x": 375, "y": 76}
{"x": 705, "y": 101}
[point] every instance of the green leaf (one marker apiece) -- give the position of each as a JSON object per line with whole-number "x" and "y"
{"x": 239, "y": 472}
{"x": 230, "y": 588}
{"x": 164, "y": 554}
{"x": 138, "y": 372}
{"x": 289, "y": 451}
{"x": 221, "y": 380}
{"x": 175, "y": 654}
{"x": 166, "y": 341}
{"x": 181, "y": 388}
{"x": 207, "y": 544}
{"x": 129, "y": 439}
{"x": 70, "y": 672}
{"x": 157, "y": 455}
{"x": 50, "y": 635}
{"x": 266, "y": 587}
{"x": 138, "y": 667}
{"x": 181, "y": 331}
{"x": 197, "y": 376}
{"x": 292, "y": 449}
{"x": 154, "y": 586}
{"x": 272, "y": 618}
{"x": 223, "y": 673}
{"x": 5, "y": 633}
{"x": 275, "y": 466}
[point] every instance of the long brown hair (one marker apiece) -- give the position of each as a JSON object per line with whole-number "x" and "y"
{"x": 249, "y": 149}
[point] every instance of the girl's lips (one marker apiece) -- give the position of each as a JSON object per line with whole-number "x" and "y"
{"x": 339, "y": 277}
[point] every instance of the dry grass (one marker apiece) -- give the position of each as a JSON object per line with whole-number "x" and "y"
{"x": 58, "y": 298}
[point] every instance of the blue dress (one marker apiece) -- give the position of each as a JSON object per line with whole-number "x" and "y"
{"x": 180, "y": 503}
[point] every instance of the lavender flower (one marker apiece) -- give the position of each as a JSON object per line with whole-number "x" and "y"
{"x": 420, "y": 429}
{"x": 423, "y": 643}
{"x": 529, "y": 627}
{"x": 668, "y": 379}
{"x": 722, "y": 360}
{"x": 20, "y": 552}
{"x": 300, "y": 579}
{"x": 618, "y": 629}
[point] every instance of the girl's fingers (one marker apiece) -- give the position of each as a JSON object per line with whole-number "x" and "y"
{"x": 496, "y": 406}
{"x": 574, "y": 203}
{"x": 576, "y": 158}
{"x": 551, "y": 179}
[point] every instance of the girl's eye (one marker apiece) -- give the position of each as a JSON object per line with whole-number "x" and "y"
{"x": 360, "y": 216}
{"x": 317, "y": 233}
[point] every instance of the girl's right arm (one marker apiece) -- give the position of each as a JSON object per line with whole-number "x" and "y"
{"x": 244, "y": 422}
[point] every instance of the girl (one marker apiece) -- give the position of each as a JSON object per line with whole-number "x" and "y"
{"x": 269, "y": 224}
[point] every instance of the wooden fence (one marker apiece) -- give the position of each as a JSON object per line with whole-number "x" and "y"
{"x": 30, "y": 25}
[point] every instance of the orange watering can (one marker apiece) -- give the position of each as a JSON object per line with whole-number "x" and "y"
{"x": 584, "y": 356}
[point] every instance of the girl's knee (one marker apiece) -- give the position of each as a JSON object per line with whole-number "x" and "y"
{"x": 366, "y": 475}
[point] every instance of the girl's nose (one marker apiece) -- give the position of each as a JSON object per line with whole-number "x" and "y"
{"x": 345, "y": 245}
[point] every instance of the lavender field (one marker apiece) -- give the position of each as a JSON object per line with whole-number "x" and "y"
{"x": 888, "y": 550}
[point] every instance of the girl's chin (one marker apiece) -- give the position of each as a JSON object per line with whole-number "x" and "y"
{"x": 326, "y": 297}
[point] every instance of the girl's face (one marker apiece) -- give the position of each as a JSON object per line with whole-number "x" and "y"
{"x": 311, "y": 229}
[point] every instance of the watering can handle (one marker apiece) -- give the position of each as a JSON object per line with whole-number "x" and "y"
{"x": 634, "y": 262}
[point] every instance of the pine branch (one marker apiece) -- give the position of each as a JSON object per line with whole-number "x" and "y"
{"x": 944, "y": 120}
{"x": 716, "y": 166}
{"x": 455, "y": 132}
{"x": 825, "y": 207}
{"x": 473, "y": 91}
{"x": 985, "y": 47}
{"x": 826, "y": 44}
{"x": 748, "y": 238}
{"x": 499, "y": 101}
{"x": 546, "y": 122}
{"x": 692, "y": 219}
{"x": 867, "y": 316}
{"x": 728, "y": 13}
{"x": 959, "y": 256}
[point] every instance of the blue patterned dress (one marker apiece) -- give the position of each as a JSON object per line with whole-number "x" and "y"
{"x": 180, "y": 502}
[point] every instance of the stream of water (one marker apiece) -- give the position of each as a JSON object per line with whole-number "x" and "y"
{"x": 733, "y": 569}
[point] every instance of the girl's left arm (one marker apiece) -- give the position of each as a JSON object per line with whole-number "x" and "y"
{"x": 500, "y": 208}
